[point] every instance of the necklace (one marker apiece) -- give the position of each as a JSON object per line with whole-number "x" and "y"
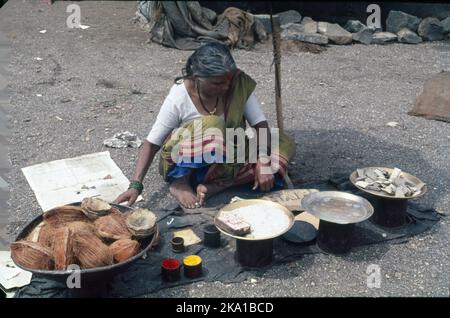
{"x": 203, "y": 105}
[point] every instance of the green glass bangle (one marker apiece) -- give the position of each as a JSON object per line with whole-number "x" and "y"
{"x": 136, "y": 185}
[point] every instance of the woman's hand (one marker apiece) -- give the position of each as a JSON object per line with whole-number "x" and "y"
{"x": 145, "y": 158}
{"x": 264, "y": 178}
{"x": 130, "y": 195}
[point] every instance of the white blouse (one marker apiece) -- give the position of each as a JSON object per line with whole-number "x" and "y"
{"x": 178, "y": 109}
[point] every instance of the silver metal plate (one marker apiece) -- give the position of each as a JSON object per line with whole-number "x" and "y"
{"x": 409, "y": 177}
{"x": 337, "y": 207}
{"x": 284, "y": 212}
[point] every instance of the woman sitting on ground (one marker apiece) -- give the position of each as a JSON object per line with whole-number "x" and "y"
{"x": 212, "y": 95}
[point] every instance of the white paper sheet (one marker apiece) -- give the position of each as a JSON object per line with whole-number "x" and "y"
{"x": 12, "y": 276}
{"x": 70, "y": 180}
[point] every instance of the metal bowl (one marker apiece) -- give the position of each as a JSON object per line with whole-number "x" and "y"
{"x": 337, "y": 207}
{"x": 89, "y": 274}
{"x": 407, "y": 176}
{"x": 245, "y": 203}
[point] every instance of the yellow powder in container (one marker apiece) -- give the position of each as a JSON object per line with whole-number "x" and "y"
{"x": 192, "y": 260}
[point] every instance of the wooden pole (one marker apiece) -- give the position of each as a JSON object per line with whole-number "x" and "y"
{"x": 277, "y": 61}
{"x": 276, "y": 41}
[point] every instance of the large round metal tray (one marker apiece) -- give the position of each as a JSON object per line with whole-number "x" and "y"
{"x": 89, "y": 274}
{"x": 244, "y": 203}
{"x": 337, "y": 207}
{"x": 407, "y": 176}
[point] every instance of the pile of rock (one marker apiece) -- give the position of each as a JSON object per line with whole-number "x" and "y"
{"x": 390, "y": 182}
{"x": 400, "y": 26}
{"x": 411, "y": 29}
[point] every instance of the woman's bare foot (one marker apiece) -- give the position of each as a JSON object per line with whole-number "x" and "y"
{"x": 182, "y": 191}
{"x": 206, "y": 190}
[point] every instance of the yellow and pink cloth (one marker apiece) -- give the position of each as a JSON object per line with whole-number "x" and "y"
{"x": 197, "y": 143}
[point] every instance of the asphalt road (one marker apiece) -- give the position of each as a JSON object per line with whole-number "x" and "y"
{"x": 336, "y": 105}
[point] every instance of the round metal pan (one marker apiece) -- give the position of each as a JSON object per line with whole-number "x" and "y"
{"x": 245, "y": 203}
{"x": 407, "y": 176}
{"x": 337, "y": 207}
{"x": 89, "y": 274}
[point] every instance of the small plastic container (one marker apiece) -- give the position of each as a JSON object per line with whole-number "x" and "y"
{"x": 177, "y": 245}
{"x": 170, "y": 270}
{"x": 192, "y": 266}
{"x": 211, "y": 236}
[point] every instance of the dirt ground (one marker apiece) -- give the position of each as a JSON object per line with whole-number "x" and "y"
{"x": 336, "y": 106}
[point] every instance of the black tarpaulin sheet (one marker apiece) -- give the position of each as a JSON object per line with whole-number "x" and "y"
{"x": 219, "y": 264}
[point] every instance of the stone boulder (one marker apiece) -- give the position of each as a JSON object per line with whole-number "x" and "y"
{"x": 294, "y": 32}
{"x": 407, "y": 36}
{"x": 293, "y": 28}
{"x": 431, "y": 29}
{"x": 446, "y": 25}
{"x": 434, "y": 102}
{"x": 335, "y": 33}
{"x": 309, "y": 25}
{"x": 322, "y": 27}
{"x": 398, "y": 20}
{"x": 354, "y": 26}
{"x": 383, "y": 37}
{"x": 290, "y": 16}
{"x": 364, "y": 36}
